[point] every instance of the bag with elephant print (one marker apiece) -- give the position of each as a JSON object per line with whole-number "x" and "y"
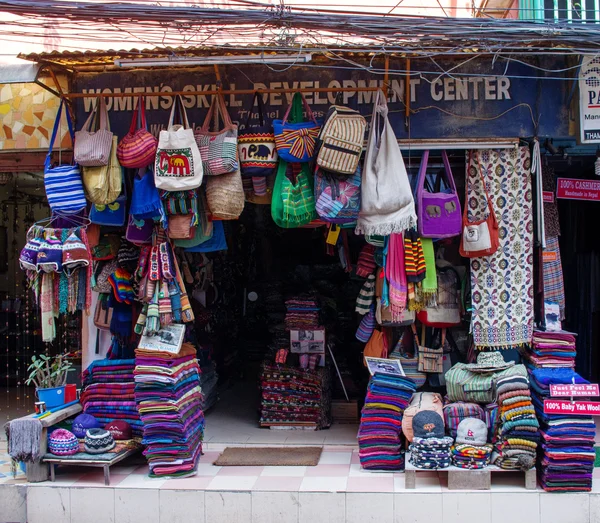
{"x": 439, "y": 214}
{"x": 256, "y": 145}
{"x": 178, "y": 165}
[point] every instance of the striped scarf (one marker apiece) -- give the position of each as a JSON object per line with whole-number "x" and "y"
{"x": 366, "y": 296}
{"x": 396, "y": 276}
{"x": 414, "y": 259}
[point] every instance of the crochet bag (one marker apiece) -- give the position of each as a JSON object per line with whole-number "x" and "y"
{"x": 479, "y": 238}
{"x": 137, "y": 148}
{"x": 103, "y": 184}
{"x": 63, "y": 185}
{"x": 256, "y": 145}
{"x": 420, "y": 401}
{"x": 337, "y": 199}
{"x": 93, "y": 148}
{"x": 177, "y": 165}
{"x": 225, "y": 196}
{"x": 455, "y": 412}
{"x": 341, "y": 140}
{"x": 439, "y": 213}
{"x": 218, "y": 148}
{"x": 447, "y": 312}
{"x": 293, "y": 202}
{"x": 295, "y": 140}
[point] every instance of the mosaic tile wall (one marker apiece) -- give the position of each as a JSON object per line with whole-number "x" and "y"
{"x": 27, "y": 113}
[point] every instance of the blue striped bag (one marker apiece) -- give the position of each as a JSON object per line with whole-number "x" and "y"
{"x": 63, "y": 184}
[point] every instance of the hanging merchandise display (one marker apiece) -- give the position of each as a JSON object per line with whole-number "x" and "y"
{"x": 113, "y": 214}
{"x": 337, "y": 198}
{"x": 256, "y": 145}
{"x": 225, "y": 196}
{"x": 137, "y": 149}
{"x": 178, "y": 164}
{"x": 295, "y": 139}
{"x": 439, "y": 213}
{"x": 103, "y": 184}
{"x": 387, "y": 204}
{"x": 93, "y": 148}
{"x": 64, "y": 188}
{"x": 502, "y": 283}
{"x": 293, "y": 203}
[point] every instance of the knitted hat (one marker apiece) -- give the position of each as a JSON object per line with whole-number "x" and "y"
{"x": 82, "y": 423}
{"x": 61, "y": 442}
{"x": 119, "y": 429}
{"x": 98, "y": 441}
{"x": 366, "y": 261}
{"x": 366, "y": 327}
{"x": 75, "y": 254}
{"x": 428, "y": 424}
{"x": 128, "y": 255}
{"x": 472, "y": 431}
{"x": 49, "y": 258}
{"x": 29, "y": 255}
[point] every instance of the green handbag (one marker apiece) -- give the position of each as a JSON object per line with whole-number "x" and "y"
{"x": 293, "y": 204}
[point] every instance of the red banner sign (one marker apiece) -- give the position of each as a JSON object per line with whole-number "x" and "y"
{"x": 548, "y": 196}
{"x": 568, "y": 390}
{"x": 575, "y": 189}
{"x": 573, "y": 408}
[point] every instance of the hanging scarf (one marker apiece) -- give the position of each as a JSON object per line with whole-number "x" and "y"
{"x": 430, "y": 285}
{"x": 47, "y": 307}
{"x": 396, "y": 276}
{"x": 414, "y": 260}
{"x": 366, "y": 296}
{"x": 187, "y": 315}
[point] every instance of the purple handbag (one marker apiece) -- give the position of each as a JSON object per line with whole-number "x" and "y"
{"x": 139, "y": 232}
{"x": 439, "y": 214}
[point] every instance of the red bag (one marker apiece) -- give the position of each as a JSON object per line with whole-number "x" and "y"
{"x": 479, "y": 238}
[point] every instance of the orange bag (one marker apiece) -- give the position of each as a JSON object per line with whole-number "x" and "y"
{"x": 377, "y": 346}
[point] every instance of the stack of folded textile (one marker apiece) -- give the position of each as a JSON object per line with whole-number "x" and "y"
{"x": 380, "y": 432}
{"x": 167, "y": 392}
{"x": 295, "y": 397}
{"x": 302, "y": 313}
{"x": 567, "y": 457}
{"x": 430, "y": 449}
{"x": 471, "y": 450}
{"x": 517, "y": 436}
{"x": 108, "y": 393}
{"x": 552, "y": 349}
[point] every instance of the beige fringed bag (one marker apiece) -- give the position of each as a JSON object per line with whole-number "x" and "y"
{"x": 225, "y": 195}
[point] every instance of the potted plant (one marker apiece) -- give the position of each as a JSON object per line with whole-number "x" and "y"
{"x": 49, "y": 375}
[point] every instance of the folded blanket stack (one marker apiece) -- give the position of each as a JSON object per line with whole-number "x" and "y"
{"x": 551, "y": 349}
{"x": 380, "y": 432}
{"x": 292, "y": 396}
{"x": 169, "y": 399}
{"x": 566, "y": 462}
{"x": 302, "y": 313}
{"x": 108, "y": 393}
{"x": 431, "y": 453}
{"x": 467, "y": 456}
{"x": 517, "y": 437}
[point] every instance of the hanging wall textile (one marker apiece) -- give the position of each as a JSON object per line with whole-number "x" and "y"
{"x": 554, "y": 287}
{"x": 502, "y": 284}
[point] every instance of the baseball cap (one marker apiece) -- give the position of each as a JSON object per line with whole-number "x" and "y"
{"x": 428, "y": 424}
{"x": 472, "y": 431}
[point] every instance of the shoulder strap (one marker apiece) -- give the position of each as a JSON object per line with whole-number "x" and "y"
{"x": 422, "y": 175}
{"x": 56, "y": 124}
{"x": 257, "y": 98}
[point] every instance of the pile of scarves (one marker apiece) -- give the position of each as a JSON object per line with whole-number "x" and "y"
{"x": 294, "y": 396}
{"x": 108, "y": 393}
{"x": 380, "y": 432}
{"x": 552, "y": 349}
{"x": 517, "y": 438}
{"x": 473, "y": 457}
{"x": 430, "y": 453}
{"x": 168, "y": 396}
{"x": 302, "y": 313}
{"x": 566, "y": 463}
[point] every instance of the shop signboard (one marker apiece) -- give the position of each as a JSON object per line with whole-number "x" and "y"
{"x": 481, "y": 99}
{"x": 548, "y": 196}
{"x": 589, "y": 99}
{"x": 573, "y": 390}
{"x": 573, "y": 408}
{"x": 576, "y": 189}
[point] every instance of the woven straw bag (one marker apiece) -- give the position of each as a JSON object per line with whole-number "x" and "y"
{"x": 225, "y": 195}
{"x": 103, "y": 184}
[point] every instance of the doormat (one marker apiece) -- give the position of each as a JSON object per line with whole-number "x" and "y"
{"x": 269, "y": 457}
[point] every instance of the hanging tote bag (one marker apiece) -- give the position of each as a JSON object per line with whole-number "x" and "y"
{"x": 63, "y": 185}
{"x": 139, "y": 232}
{"x": 256, "y": 145}
{"x": 439, "y": 213}
{"x": 341, "y": 140}
{"x": 293, "y": 203}
{"x": 92, "y": 148}
{"x": 430, "y": 360}
{"x": 217, "y": 242}
{"x": 337, "y": 198}
{"x": 137, "y": 149}
{"x": 295, "y": 140}
{"x": 225, "y": 196}
{"x": 218, "y": 149}
{"x": 103, "y": 184}
{"x": 480, "y": 237}
{"x": 177, "y": 165}
{"x": 376, "y": 347}
{"x": 112, "y": 214}
{"x": 387, "y": 205}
